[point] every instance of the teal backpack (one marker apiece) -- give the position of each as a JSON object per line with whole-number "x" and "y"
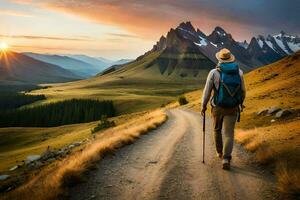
{"x": 229, "y": 94}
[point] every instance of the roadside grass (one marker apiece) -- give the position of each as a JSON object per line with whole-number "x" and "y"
{"x": 17, "y": 143}
{"x": 278, "y": 146}
{"x": 274, "y": 144}
{"x": 51, "y": 182}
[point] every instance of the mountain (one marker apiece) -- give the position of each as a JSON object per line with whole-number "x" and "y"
{"x": 105, "y": 60}
{"x": 97, "y": 63}
{"x": 78, "y": 67}
{"x": 175, "y": 56}
{"x": 273, "y": 48}
{"x": 244, "y": 44}
{"x": 17, "y": 68}
{"x": 187, "y": 49}
{"x": 121, "y": 61}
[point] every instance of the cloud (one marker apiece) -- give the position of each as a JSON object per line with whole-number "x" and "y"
{"x": 15, "y": 13}
{"x": 150, "y": 18}
{"x": 34, "y": 37}
{"x": 23, "y": 1}
{"x": 122, "y": 35}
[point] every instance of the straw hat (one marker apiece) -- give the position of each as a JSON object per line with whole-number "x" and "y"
{"x": 225, "y": 56}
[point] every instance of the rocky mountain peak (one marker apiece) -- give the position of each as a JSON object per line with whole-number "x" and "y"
{"x": 282, "y": 33}
{"x": 269, "y": 37}
{"x": 253, "y": 42}
{"x": 187, "y": 26}
{"x": 161, "y": 44}
{"x": 260, "y": 37}
{"x": 220, "y": 31}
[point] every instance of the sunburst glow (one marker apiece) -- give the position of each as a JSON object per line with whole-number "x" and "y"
{"x": 3, "y": 46}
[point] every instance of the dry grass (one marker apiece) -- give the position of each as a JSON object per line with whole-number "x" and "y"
{"x": 17, "y": 143}
{"x": 49, "y": 184}
{"x": 288, "y": 182}
{"x": 278, "y": 147}
{"x": 276, "y": 84}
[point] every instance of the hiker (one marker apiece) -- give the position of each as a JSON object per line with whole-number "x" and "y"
{"x": 227, "y": 83}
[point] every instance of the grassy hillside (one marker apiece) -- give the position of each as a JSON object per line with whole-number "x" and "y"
{"x": 274, "y": 143}
{"x": 17, "y": 143}
{"x": 16, "y": 69}
{"x": 56, "y": 177}
{"x": 132, "y": 88}
{"x": 272, "y": 85}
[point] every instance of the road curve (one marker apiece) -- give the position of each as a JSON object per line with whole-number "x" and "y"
{"x": 167, "y": 164}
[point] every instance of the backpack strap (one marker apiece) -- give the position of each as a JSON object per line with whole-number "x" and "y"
{"x": 227, "y": 89}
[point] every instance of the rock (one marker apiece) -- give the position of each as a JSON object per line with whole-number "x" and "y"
{"x": 273, "y": 120}
{"x": 153, "y": 162}
{"x": 283, "y": 113}
{"x": 48, "y": 154}
{"x": 4, "y": 177}
{"x": 77, "y": 144}
{"x": 50, "y": 160}
{"x": 14, "y": 168}
{"x": 108, "y": 186}
{"x": 71, "y": 146}
{"x": 262, "y": 112}
{"x": 32, "y": 158}
{"x": 273, "y": 110}
{"x": 92, "y": 197}
{"x": 38, "y": 164}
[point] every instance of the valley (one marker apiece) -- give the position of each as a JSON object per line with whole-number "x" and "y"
{"x": 144, "y": 92}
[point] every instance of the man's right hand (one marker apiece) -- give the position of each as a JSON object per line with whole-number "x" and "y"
{"x": 203, "y": 110}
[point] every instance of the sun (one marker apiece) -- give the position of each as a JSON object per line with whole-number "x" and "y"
{"x": 3, "y": 46}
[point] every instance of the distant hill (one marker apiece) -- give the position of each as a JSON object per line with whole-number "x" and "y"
{"x": 100, "y": 63}
{"x": 97, "y": 63}
{"x": 18, "y": 69}
{"x": 77, "y": 66}
{"x": 105, "y": 60}
{"x": 121, "y": 61}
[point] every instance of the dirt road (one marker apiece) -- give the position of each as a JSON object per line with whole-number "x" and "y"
{"x": 167, "y": 164}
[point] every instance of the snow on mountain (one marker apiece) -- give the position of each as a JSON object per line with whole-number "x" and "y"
{"x": 260, "y": 51}
{"x": 186, "y": 50}
{"x": 202, "y": 42}
{"x": 290, "y": 44}
{"x": 294, "y": 46}
{"x": 279, "y": 45}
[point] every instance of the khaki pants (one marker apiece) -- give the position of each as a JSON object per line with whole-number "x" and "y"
{"x": 224, "y": 118}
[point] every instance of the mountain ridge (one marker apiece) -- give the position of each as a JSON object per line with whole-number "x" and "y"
{"x": 17, "y": 68}
{"x": 185, "y": 38}
{"x": 78, "y": 67}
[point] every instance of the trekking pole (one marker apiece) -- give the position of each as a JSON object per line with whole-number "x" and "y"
{"x": 203, "y": 134}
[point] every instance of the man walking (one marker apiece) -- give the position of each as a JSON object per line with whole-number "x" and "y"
{"x": 227, "y": 83}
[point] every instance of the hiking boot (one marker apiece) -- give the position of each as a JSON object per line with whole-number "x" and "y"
{"x": 219, "y": 155}
{"x": 226, "y": 164}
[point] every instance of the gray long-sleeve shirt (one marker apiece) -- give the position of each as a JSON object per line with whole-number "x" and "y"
{"x": 213, "y": 79}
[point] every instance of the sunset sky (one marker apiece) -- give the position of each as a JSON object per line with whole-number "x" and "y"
{"x": 118, "y": 29}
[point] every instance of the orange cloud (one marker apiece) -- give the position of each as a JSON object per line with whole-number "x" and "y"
{"x": 131, "y": 18}
{"x": 148, "y": 19}
{"x": 36, "y": 37}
